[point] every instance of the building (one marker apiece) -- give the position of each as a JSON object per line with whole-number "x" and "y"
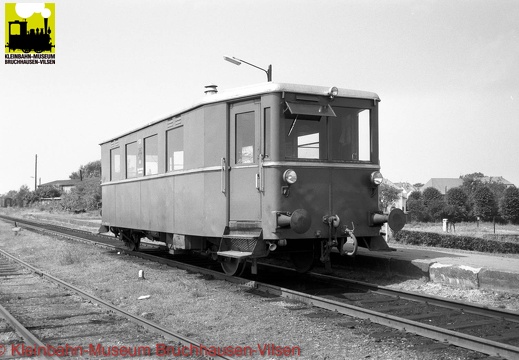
{"x": 65, "y": 186}
{"x": 404, "y": 190}
{"x": 496, "y": 179}
{"x": 443, "y": 184}
{"x": 6, "y": 201}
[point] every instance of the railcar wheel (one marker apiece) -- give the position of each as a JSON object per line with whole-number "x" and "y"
{"x": 233, "y": 266}
{"x": 303, "y": 258}
{"x": 135, "y": 242}
{"x": 302, "y": 261}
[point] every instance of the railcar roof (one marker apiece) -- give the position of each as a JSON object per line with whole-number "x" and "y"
{"x": 258, "y": 89}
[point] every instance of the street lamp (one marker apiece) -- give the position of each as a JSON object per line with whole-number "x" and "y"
{"x": 237, "y": 61}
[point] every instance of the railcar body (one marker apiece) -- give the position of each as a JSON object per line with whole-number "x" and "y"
{"x": 243, "y": 173}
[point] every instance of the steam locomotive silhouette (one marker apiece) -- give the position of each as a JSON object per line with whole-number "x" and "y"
{"x": 20, "y": 38}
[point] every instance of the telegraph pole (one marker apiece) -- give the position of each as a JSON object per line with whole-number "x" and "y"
{"x": 36, "y": 172}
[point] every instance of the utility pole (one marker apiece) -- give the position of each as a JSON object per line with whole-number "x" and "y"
{"x": 36, "y": 172}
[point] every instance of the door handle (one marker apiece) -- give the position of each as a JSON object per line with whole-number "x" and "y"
{"x": 222, "y": 175}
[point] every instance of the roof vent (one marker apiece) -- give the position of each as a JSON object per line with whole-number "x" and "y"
{"x": 210, "y": 89}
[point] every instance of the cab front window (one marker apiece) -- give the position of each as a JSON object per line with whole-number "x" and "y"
{"x": 343, "y": 136}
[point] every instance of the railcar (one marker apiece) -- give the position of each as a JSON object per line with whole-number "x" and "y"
{"x": 251, "y": 172}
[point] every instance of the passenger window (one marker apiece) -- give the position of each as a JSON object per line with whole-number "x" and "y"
{"x": 115, "y": 164}
{"x": 151, "y": 155}
{"x": 245, "y": 138}
{"x": 131, "y": 160}
{"x": 175, "y": 148}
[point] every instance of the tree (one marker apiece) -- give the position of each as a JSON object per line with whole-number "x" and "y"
{"x": 387, "y": 195}
{"x": 437, "y": 208}
{"x": 430, "y": 194}
{"x": 415, "y": 195}
{"x": 417, "y": 210}
{"x": 471, "y": 183}
{"x": 510, "y": 205}
{"x": 485, "y": 205}
{"x": 457, "y": 205}
{"x": 23, "y": 195}
{"x": 498, "y": 189}
{"x": 90, "y": 170}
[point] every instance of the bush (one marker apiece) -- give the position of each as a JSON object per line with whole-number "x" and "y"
{"x": 456, "y": 242}
{"x": 84, "y": 196}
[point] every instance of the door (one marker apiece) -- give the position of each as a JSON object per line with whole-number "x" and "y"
{"x": 244, "y": 175}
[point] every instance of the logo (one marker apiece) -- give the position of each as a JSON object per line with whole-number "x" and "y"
{"x": 30, "y": 33}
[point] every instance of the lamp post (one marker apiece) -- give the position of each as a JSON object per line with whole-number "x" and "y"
{"x": 237, "y": 61}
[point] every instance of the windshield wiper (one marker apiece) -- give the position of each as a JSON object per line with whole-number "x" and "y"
{"x": 292, "y": 126}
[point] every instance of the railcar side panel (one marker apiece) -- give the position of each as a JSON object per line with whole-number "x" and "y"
{"x": 128, "y": 205}
{"x": 156, "y": 198}
{"x": 215, "y": 215}
{"x": 108, "y": 194}
{"x": 189, "y": 204}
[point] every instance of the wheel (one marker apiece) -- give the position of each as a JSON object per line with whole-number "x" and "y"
{"x": 26, "y": 50}
{"x": 303, "y": 256}
{"x": 233, "y": 266}
{"x": 303, "y": 261}
{"x": 135, "y": 242}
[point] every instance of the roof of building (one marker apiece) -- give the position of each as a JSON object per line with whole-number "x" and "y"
{"x": 443, "y": 184}
{"x": 67, "y": 182}
{"x": 407, "y": 187}
{"x": 495, "y": 179}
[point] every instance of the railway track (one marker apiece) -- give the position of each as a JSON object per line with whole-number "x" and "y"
{"x": 53, "y": 318}
{"x": 489, "y": 331}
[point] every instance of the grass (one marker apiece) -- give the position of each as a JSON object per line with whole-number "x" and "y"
{"x": 481, "y": 230}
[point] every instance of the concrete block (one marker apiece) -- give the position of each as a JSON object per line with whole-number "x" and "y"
{"x": 464, "y": 277}
{"x": 499, "y": 280}
{"x": 413, "y": 269}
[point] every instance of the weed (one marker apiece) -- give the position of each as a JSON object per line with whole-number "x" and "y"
{"x": 68, "y": 257}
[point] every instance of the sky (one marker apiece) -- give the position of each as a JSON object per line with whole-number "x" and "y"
{"x": 447, "y": 73}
